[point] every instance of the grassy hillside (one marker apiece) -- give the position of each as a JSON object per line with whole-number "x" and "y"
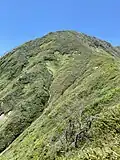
{"x": 60, "y": 99}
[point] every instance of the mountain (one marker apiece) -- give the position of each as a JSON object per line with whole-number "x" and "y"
{"x": 60, "y": 99}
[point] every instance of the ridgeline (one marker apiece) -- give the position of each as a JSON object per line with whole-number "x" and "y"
{"x": 60, "y": 99}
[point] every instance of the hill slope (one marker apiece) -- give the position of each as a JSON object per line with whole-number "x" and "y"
{"x": 60, "y": 99}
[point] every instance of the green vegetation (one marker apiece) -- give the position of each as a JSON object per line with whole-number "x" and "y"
{"x": 60, "y": 99}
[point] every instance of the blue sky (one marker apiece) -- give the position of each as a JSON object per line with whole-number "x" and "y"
{"x": 23, "y": 20}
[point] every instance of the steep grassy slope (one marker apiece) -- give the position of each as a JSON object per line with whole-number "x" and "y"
{"x": 69, "y": 85}
{"x": 24, "y": 91}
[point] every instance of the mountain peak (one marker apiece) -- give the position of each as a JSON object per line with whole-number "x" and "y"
{"x": 59, "y": 99}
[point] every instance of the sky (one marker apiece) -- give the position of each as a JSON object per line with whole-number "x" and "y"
{"x": 23, "y": 20}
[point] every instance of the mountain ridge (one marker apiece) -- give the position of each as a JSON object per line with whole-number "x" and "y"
{"x": 56, "y": 95}
{"x": 78, "y": 34}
